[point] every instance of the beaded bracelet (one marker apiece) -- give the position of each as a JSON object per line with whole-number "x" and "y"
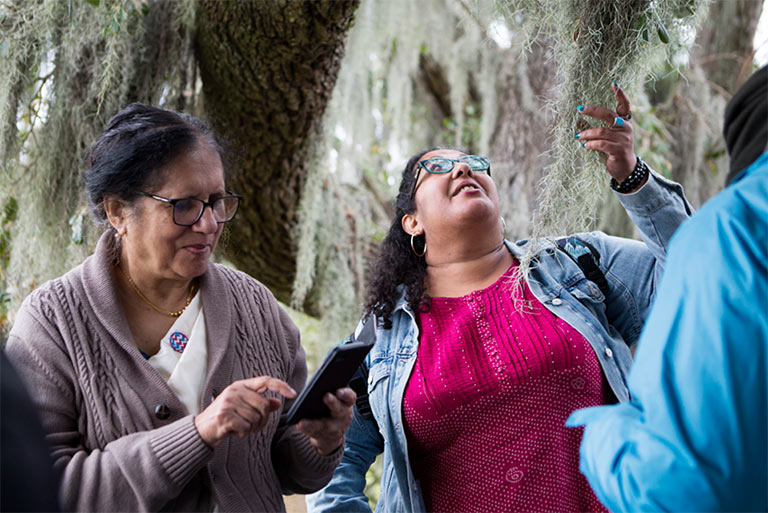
{"x": 631, "y": 182}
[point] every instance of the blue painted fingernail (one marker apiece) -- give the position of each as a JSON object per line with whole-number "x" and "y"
{"x": 583, "y": 145}
{"x": 615, "y": 83}
{"x": 577, "y": 135}
{"x": 580, "y": 108}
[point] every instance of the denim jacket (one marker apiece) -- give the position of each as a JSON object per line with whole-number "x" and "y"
{"x": 611, "y": 324}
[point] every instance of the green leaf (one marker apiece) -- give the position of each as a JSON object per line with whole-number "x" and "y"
{"x": 112, "y": 28}
{"x": 663, "y": 34}
{"x": 94, "y": 3}
{"x": 10, "y": 210}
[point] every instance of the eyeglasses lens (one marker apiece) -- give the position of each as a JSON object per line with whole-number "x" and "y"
{"x": 188, "y": 211}
{"x": 475, "y": 162}
{"x": 438, "y": 166}
{"x": 224, "y": 209}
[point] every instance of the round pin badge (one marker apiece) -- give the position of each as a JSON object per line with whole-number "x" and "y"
{"x": 178, "y": 341}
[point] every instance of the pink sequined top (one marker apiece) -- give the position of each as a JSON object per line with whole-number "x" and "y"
{"x": 487, "y": 400}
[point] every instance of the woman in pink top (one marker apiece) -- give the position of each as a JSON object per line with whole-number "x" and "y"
{"x": 474, "y": 370}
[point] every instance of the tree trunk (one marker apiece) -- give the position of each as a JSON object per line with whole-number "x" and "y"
{"x": 518, "y": 146}
{"x": 268, "y": 70}
{"x": 724, "y": 43}
{"x": 720, "y": 62}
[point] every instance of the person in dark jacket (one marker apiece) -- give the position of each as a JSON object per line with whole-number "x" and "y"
{"x": 27, "y": 480}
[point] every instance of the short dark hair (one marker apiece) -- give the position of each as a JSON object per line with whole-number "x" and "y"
{"x": 136, "y": 144}
{"x": 745, "y": 128}
{"x": 397, "y": 264}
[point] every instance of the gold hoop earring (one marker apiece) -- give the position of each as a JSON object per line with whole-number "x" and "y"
{"x": 503, "y": 227}
{"x": 414, "y": 249}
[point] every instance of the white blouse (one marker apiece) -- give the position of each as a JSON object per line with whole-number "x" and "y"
{"x": 182, "y": 360}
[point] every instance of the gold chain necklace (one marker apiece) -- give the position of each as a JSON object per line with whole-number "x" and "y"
{"x": 150, "y": 303}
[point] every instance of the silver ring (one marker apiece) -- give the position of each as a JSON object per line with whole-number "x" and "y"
{"x": 627, "y": 117}
{"x": 618, "y": 122}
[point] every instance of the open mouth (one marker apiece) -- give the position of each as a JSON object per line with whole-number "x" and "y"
{"x": 467, "y": 187}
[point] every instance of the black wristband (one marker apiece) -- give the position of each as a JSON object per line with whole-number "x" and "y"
{"x": 635, "y": 178}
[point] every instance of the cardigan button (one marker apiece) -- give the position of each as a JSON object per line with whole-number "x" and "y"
{"x": 162, "y": 412}
{"x": 557, "y": 301}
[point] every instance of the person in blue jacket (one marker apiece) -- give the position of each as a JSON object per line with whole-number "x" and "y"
{"x": 694, "y": 437}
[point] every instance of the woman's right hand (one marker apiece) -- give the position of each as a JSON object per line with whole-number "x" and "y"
{"x": 241, "y": 409}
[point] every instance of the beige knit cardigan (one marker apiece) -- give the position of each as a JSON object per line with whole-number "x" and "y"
{"x": 119, "y": 436}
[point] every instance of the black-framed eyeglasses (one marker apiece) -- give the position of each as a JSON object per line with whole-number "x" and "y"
{"x": 188, "y": 211}
{"x": 441, "y": 165}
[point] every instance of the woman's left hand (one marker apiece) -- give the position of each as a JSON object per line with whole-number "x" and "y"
{"x": 616, "y": 140}
{"x": 327, "y": 434}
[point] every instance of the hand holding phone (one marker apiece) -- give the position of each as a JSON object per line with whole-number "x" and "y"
{"x": 327, "y": 434}
{"x": 335, "y": 372}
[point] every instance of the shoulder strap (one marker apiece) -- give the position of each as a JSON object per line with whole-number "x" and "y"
{"x": 359, "y": 382}
{"x": 587, "y": 258}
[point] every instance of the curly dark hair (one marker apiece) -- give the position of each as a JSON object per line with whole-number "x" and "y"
{"x": 397, "y": 264}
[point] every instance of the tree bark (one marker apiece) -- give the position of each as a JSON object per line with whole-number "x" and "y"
{"x": 268, "y": 70}
{"x": 725, "y": 42}
{"x": 520, "y": 143}
{"x": 720, "y": 62}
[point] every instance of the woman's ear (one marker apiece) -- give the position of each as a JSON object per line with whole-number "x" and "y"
{"x": 411, "y": 224}
{"x": 116, "y": 214}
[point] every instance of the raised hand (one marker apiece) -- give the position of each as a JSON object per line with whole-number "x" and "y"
{"x": 616, "y": 140}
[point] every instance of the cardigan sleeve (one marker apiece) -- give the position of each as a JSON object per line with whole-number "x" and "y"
{"x": 300, "y": 468}
{"x": 141, "y": 471}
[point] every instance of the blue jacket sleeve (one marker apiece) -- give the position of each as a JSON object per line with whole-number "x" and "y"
{"x": 345, "y": 492}
{"x": 694, "y": 438}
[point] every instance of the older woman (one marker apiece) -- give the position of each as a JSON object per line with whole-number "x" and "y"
{"x": 475, "y": 370}
{"x": 159, "y": 375}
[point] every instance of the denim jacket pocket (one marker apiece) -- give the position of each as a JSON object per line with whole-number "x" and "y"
{"x": 586, "y": 290}
{"x": 378, "y": 378}
{"x": 380, "y": 369}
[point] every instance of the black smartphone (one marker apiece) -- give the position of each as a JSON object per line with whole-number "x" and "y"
{"x": 337, "y": 370}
